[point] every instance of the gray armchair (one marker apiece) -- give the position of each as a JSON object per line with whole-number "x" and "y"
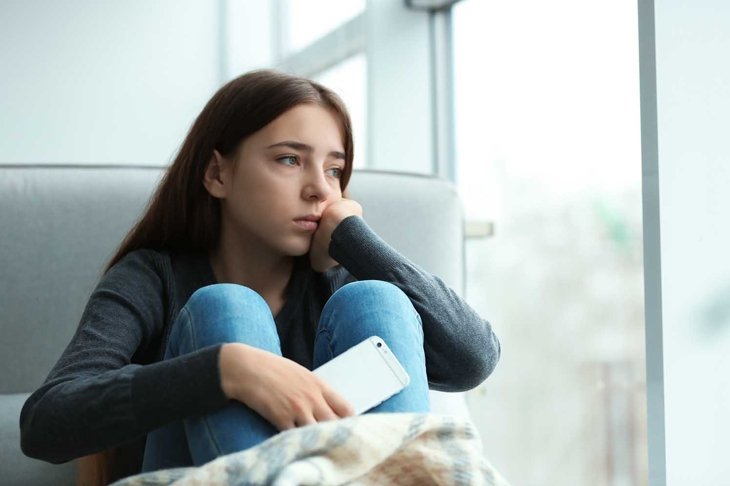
{"x": 59, "y": 225}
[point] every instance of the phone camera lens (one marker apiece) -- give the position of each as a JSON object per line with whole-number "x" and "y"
{"x": 380, "y": 345}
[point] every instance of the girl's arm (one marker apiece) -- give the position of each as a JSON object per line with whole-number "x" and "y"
{"x": 94, "y": 397}
{"x": 461, "y": 349}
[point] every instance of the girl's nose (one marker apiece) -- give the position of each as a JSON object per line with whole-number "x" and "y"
{"x": 316, "y": 186}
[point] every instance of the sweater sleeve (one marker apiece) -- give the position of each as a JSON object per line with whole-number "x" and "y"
{"x": 461, "y": 349}
{"x": 95, "y": 397}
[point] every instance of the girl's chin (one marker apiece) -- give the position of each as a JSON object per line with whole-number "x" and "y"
{"x": 294, "y": 246}
{"x": 297, "y": 251}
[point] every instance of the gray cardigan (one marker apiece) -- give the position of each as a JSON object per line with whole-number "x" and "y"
{"x": 110, "y": 387}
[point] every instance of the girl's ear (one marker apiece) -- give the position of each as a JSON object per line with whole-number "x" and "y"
{"x": 215, "y": 176}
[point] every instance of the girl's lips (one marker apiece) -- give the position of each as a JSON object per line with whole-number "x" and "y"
{"x": 306, "y": 224}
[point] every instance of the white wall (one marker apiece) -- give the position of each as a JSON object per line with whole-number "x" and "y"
{"x": 687, "y": 158}
{"x": 116, "y": 81}
{"x": 251, "y": 41}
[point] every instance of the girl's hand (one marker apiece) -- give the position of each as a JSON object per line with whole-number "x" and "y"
{"x": 332, "y": 216}
{"x": 280, "y": 390}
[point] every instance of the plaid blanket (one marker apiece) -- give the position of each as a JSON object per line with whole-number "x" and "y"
{"x": 370, "y": 449}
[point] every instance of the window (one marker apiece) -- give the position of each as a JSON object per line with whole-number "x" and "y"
{"x": 548, "y": 149}
{"x": 305, "y": 21}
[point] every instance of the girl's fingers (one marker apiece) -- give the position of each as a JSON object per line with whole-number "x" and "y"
{"x": 306, "y": 420}
{"x": 337, "y": 403}
{"x": 324, "y": 413}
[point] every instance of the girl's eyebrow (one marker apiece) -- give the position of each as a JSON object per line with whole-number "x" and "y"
{"x": 303, "y": 147}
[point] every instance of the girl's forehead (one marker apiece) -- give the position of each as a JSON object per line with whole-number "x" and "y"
{"x": 311, "y": 124}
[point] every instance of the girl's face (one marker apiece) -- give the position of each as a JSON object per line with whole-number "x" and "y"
{"x": 284, "y": 177}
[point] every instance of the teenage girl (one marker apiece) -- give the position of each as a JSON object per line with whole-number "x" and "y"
{"x": 249, "y": 269}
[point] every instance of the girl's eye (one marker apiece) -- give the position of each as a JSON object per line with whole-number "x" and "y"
{"x": 288, "y": 160}
{"x": 335, "y": 172}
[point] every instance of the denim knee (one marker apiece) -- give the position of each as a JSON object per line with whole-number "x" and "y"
{"x": 220, "y": 302}
{"x": 223, "y": 313}
{"x": 366, "y": 293}
{"x": 358, "y": 299}
{"x": 226, "y": 299}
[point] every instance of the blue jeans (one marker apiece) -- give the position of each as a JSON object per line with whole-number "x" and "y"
{"x": 224, "y": 313}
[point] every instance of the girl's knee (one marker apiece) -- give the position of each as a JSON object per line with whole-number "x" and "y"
{"x": 221, "y": 301}
{"x": 372, "y": 303}
{"x": 370, "y": 292}
{"x": 223, "y": 313}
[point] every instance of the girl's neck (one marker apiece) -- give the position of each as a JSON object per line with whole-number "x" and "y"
{"x": 267, "y": 274}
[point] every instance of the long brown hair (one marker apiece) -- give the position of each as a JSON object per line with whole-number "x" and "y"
{"x": 183, "y": 215}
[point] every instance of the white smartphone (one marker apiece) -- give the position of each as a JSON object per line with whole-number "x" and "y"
{"x": 366, "y": 375}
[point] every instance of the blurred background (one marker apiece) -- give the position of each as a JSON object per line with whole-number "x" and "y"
{"x": 531, "y": 108}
